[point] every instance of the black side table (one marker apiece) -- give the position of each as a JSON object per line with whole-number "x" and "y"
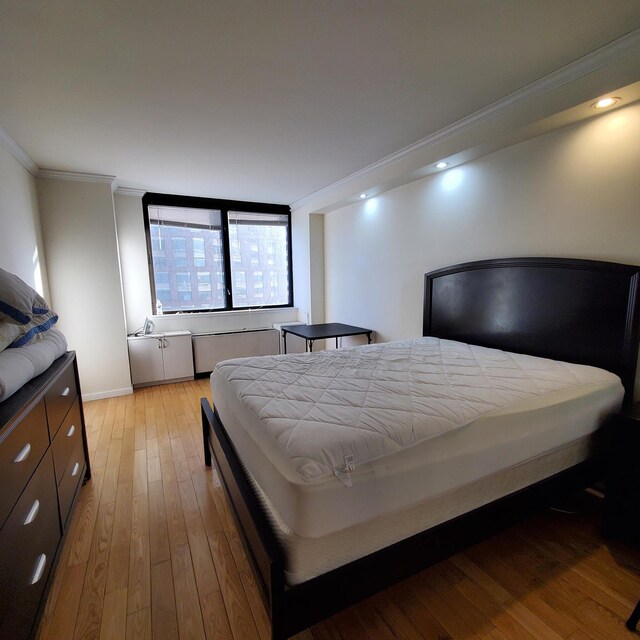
{"x": 311, "y": 332}
{"x": 622, "y": 490}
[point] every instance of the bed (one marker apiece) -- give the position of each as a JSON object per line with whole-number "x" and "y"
{"x": 579, "y": 314}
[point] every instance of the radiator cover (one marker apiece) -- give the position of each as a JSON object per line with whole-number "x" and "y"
{"x": 211, "y": 348}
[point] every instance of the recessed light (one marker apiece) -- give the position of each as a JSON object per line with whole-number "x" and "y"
{"x": 442, "y": 165}
{"x": 363, "y": 195}
{"x": 605, "y": 102}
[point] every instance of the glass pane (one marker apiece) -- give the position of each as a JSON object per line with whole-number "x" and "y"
{"x": 198, "y": 252}
{"x": 187, "y": 252}
{"x": 259, "y": 258}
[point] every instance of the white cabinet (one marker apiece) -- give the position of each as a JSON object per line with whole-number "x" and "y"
{"x": 145, "y": 358}
{"x": 160, "y": 357}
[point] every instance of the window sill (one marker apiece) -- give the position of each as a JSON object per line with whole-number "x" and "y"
{"x": 218, "y": 314}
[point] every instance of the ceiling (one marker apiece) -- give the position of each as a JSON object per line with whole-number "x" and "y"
{"x": 269, "y": 100}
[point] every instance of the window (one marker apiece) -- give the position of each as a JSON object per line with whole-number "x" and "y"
{"x": 163, "y": 287}
{"x": 179, "y": 251}
{"x": 251, "y": 232}
{"x": 258, "y": 285}
{"x": 204, "y": 281}
{"x": 198, "y": 252}
{"x": 241, "y": 280}
{"x": 208, "y": 255}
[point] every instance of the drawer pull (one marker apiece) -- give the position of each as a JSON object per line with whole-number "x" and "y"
{"x": 76, "y": 468}
{"x": 33, "y": 512}
{"x": 66, "y": 392}
{"x": 71, "y": 431}
{"x": 24, "y": 453}
{"x": 39, "y": 570}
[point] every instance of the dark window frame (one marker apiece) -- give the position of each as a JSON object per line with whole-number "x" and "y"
{"x": 224, "y": 206}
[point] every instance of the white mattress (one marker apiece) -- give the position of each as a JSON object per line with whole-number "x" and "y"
{"x": 416, "y": 419}
{"x": 307, "y": 558}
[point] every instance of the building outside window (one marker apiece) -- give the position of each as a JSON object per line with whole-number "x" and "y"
{"x": 198, "y": 252}
{"x": 179, "y": 250}
{"x": 273, "y": 280}
{"x": 191, "y": 248}
{"x": 163, "y": 286}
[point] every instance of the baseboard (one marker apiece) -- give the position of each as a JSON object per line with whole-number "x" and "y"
{"x": 112, "y": 393}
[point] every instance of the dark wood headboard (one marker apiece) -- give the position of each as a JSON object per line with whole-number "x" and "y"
{"x": 581, "y": 311}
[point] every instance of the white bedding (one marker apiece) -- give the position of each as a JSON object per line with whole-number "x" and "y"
{"x": 18, "y": 366}
{"x": 310, "y": 557}
{"x": 413, "y": 419}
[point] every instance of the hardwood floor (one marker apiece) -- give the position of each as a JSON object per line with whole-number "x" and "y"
{"x": 153, "y": 553}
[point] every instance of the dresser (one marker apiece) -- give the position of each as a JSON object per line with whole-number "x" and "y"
{"x": 43, "y": 463}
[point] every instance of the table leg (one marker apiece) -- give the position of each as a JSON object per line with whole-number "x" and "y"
{"x": 369, "y": 337}
{"x": 284, "y": 340}
{"x": 336, "y": 342}
{"x": 310, "y": 345}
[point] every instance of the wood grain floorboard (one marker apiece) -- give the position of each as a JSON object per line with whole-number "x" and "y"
{"x": 89, "y": 616}
{"x": 139, "y": 625}
{"x": 153, "y": 553}
{"x": 114, "y": 616}
{"x": 163, "y": 602}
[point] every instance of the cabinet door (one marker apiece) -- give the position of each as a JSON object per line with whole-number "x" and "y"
{"x": 178, "y": 357}
{"x": 145, "y": 355}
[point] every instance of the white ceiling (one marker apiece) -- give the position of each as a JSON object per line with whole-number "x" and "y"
{"x": 269, "y": 100}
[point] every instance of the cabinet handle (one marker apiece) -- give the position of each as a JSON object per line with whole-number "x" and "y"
{"x": 39, "y": 569}
{"x": 24, "y": 453}
{"x": 66, "y": 392}
{"x": 159, "y": 343}
{"x": 71, "y": 431}
{"x": 33, "y": 512}
{"x": 76, "y": 468}
{"x": 164, "y": 343}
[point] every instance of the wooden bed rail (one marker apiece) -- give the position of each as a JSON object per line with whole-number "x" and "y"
{"x": 262, "y": 547}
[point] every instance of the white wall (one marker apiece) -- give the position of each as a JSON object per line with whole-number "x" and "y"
{"x": 571, "y": 193}
{"x": 316, "y": 261}
{"x": 21, "y": 248}
{"x": 307, "y": 237}
{"x": 133, "y": 260}
{"x": 78, "y": 226}
{"x": 300, "y": 255}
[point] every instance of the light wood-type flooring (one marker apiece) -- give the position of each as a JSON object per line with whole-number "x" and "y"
{"x": 153, "y": 553}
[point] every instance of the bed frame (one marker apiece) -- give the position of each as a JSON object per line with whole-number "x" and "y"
{"x": 579, "y": 311}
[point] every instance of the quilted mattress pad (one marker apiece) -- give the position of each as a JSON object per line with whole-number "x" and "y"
{"x": 332, "y": 411}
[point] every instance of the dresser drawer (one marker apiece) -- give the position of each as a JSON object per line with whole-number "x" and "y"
{"x": 29, "y": 538}
{"x": 66, "y": 440}
{"x": 60, "y": 397}
{"x": 20, "y": 453}
{"x": 73, "y": 475}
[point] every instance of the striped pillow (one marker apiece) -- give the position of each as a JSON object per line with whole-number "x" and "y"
{"x": 17, "y": 299}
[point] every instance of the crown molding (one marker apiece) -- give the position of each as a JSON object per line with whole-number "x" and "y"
{"x": 76, "y": 177}
{"x": 128, "y": 191}
{"x": 24, "y": 159}
{"x": 18, "y": 152}
{"x": 575, "y": 70}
